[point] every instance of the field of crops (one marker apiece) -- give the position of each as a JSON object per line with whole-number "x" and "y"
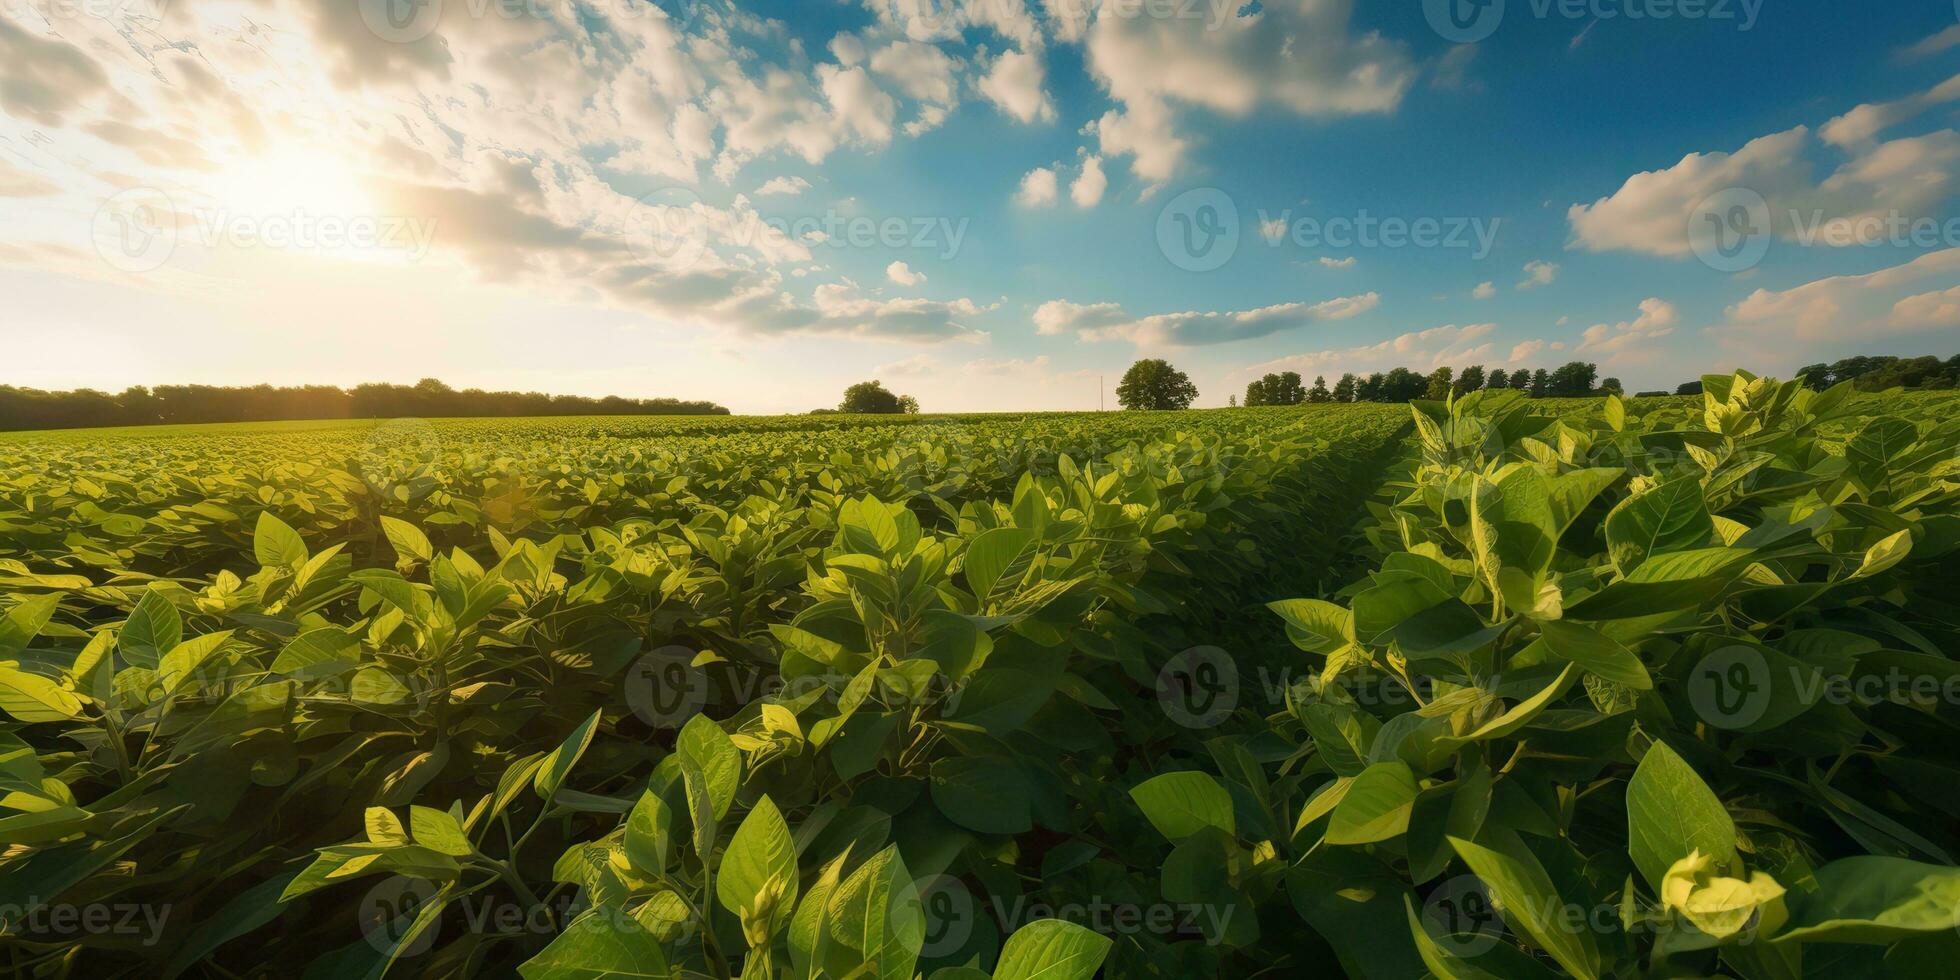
{"x": 1498, "y": 688}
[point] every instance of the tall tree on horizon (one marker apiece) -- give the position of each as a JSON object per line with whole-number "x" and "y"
{"x": 1153, "y": 385}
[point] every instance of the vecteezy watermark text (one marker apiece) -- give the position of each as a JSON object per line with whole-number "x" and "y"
{"x": 1471, "y": 21}
{"x": 1201, "y": 230}
{"x": 140, "y": 229}
{"x": 142, "y": 920}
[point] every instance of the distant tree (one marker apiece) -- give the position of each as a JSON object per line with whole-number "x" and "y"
{"x": 1612, "y": 386}
{"x": 1472, "y": 379}
{"x": 1344, "y": 389}
{"x": 1816, "y": 377}
{"x": 1498, "y": 380}
{"x": 1541, "y": 383}
{"x": 1154, "y": 385}
{"x": 908, "y": 405}
{"x": 1291, "y": 391}
{"x": 1441, "y": 382}
{"x": 1370, "y": 389}
{"x": 1232, "y": 401}
{"x": 1403, "y": 385}
{"x": 1319, "y": 393}
{"x": 870, "y": 398}
{"x": 1521, "y": 380}
{"x": 1573, "y": 380}
{"x": 1689, "y": 388}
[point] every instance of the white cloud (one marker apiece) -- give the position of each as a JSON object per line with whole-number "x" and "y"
{"x": 783, "y": 187}
{"x": 1908, "y": 176}
{"x": 1525, "y": 351}
{"x": 1943, "y": 41}
{"x": 1333, "y": 263}
{"x": 859, "y": 103}
{"x": 1484, "y": 290}
{"x": 1015, "y": 84}
{"x": 1087, "y": 190}
{"x": 1297, "y": 55}
{"x": 1539, "y": 273}
{"x": 1011, "y": 366}
{"x": 1039, "y": 188}
{"x": 1917, "y": 298}
{"x": 902, "y": 274}
{"x": 1630, "y": 341}
{"x": 1109, "y": 321}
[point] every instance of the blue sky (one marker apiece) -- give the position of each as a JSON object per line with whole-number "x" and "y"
{"x": 616, "y": 197}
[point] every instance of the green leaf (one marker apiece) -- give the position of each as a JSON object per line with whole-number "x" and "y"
{"x": 1596, "y": 652}
{"x": 706, "y": 750}
{"x": 276, "y": 544}
{"x": 182, "y": 663}
{"x": 1180, "y": 804}
{"x": 649, "y": 839}
{"x": 559, "y": 763}
{"x": 994, "y": 552}
{"x": 876, "y": 911}
{"x": 24, "y": 622}
{"x": 153, "y": 628}
{"x": 438, "y": 831}
{"x": 317, "y": 653}
{"x": 1532, "y": 904}
{"x": 982, "y": 794}
{"x": 31, "y": 698}
{"x": 1670, "y": 813}
{"x": 603, "y": 944}
{"x": 1670, "y": 517}
{"x": 760, "y": 855}
{"x": 407, "y": 539}
{"x": 1376, "y": 807}
{"x": 1052, "y": 949}
{"x": 1315, "y": 626}
{"x": 1885, "y": 554}
{"x": 1875, "y": 899}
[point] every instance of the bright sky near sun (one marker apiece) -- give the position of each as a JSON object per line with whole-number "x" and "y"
{"x": 990, "y": 204}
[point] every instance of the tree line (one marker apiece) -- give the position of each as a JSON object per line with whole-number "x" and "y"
{"x": 1577, "y": 379}
{"x": 30, "y": 408}
{"x": 1884, "y": 373}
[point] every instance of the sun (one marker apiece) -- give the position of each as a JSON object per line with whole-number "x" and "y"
{"x": 290, "y": 181}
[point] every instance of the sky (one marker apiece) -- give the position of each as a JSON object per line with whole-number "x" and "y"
{"x": 993, "y": 205}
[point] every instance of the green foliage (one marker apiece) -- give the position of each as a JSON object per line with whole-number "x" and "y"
{"x": 870, "y": 696}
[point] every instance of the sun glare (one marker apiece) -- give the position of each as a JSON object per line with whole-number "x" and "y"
{"x": 292, "y": 181}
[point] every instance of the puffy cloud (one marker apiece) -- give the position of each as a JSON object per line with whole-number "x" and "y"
{"x": 1915, "y": 298}
{"x": 922, "y": 72}
{"x": 783, "y": 187}
{"x": 1087, "y": 190}
{"x": 1039, "y": 188}
{"x": 1539, "y": 273}
{"x": 1108, "y": 321}
{"x": 902, "y": 274}
{"x": 1333, "y": 263}
{"x": 1015, "y": 84}
{"x": 1524, "y": 351}
{"x": 1630, "y": 341}
{"x": 912, "y": 366}
{"x": 1484, "y": 290}
{"x": 859, "y": 102}
{"x": 1651, "y": 212}
{"x": 1297, "y": 55}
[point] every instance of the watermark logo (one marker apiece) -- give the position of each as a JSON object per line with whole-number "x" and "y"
{"x": 1199, "y": 688}
{"x": 1730, "y": 688}
{"x": 1731, "y": 230}
{"x": 390, "y": 909}
{"x": 1464, "y": 21}
{"x": 665, "y": 688}
{"x": 949, "y": 912}
{"x": 401, "y": 21}
{"x": 135, "y": 230}
{"x": 668, "y": 228}
{"x": 1198, "y": 231}
{"x": 1461, "y": 918}
{"x": 397, "y": 452}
